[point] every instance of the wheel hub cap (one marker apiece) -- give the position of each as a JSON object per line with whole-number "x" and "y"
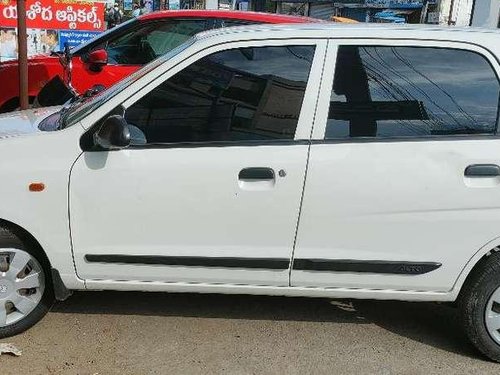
{"x": 22, "y": 285}
{"x": 492, "y": 316}
{"x": 5, "y": 289}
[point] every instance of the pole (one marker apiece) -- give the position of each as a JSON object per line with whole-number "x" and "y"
{"x": 472, "y": 12}
{"x": 450, "y": 15}
{"x": 22, "y": 51}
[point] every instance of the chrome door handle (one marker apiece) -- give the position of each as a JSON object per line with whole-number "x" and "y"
{"x": 482, "y": 170}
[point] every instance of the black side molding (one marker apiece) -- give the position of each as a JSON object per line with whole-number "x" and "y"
{"x": 188, "y": 261}
{"x": 321, "y": 265}
{"x": 365, "y": 266}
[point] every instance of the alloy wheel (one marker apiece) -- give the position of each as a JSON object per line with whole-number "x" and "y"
{"x": 22, "y": 284}
{"x": 492, "y": 316}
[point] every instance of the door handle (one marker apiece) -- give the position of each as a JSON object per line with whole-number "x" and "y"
{"x": 256, "y": 174}
{"x": 482, "y": 170}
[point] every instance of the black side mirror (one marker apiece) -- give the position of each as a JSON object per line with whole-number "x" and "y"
{"x": 113, "y": 134}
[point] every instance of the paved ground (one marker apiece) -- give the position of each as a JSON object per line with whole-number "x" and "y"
{"x": 157, "y": 333}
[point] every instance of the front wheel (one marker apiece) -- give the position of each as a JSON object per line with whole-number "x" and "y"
{"x": 480, "y": 307}
{"x": 25, "y": 290}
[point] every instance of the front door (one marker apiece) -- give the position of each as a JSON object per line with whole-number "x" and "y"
{"x": 210, "y": 189}
{"x": 403, "y": 182}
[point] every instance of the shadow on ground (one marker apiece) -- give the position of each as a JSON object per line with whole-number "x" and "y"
{"x": 432, "y": 324}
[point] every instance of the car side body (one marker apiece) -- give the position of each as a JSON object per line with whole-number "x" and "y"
{"x": 45, "y": 215}
{"x": 273, "y": 170}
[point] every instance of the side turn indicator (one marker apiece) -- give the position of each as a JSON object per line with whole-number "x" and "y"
{"x": 37, "y": 186}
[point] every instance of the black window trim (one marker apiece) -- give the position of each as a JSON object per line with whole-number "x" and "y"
{"x": 460, "y": 46}
{"x": 218, "y": 144}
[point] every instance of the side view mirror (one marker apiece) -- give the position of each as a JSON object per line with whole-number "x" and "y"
{"x": 97, "y": 59}
{"x": 113, "y": 134}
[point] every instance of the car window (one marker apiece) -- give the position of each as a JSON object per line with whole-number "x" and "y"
{"x": 245, "y": 94}
{"x": 233, "y": 23}
{"x": 412, "y": 92}
{"x": 81, "y": 108}
{"x": 144, "y": 44}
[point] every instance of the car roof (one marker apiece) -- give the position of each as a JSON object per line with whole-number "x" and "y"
{"x": 485, "y": 37}
{"x": 228, "y": 14}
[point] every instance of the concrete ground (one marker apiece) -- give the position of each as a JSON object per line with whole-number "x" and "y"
{"x": 157, "y": 333}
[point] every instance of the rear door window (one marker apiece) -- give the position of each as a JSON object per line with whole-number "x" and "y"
{"x": 386, "y": 92}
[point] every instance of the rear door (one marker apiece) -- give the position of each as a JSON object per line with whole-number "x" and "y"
{"x": 403, "y": 182}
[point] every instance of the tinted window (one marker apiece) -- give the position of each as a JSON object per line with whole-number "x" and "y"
{"x": 408, "y": 92}
{"x": 144, "y": 44}
{"x": 241, "y": 94}
{"x": 233, "y": 23}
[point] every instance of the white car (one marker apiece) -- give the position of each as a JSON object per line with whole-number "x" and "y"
{"x": 318, "y": 160}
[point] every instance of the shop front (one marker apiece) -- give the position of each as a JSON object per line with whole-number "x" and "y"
{"x": 400, "y": 11}
{"x": 51, "y": 25}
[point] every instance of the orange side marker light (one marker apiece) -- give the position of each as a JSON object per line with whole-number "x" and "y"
{"x": 36, "y": 186}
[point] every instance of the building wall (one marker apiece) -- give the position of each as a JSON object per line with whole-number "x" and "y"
{"x": 486, "y": 13}
{"x": 460, "y": 14}
{"x": 480, "y": 13}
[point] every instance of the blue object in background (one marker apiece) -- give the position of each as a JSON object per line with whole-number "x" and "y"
{"x": 75, "y": 37}
{"x": 127, "y": 4}
{"x": 389, "y": 16}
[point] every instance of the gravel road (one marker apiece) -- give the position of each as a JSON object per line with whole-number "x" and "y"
{"x": 157, "y": 333}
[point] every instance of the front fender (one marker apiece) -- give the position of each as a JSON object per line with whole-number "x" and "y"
{"x": 44, "y": 157}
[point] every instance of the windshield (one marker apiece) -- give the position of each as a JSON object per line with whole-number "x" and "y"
{"x": 82, "y": 108}
{"x": 103, "y": 36}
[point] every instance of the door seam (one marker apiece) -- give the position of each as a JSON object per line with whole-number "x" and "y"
{"x": 290, "y": 268}
{"x": 72, "y": 249}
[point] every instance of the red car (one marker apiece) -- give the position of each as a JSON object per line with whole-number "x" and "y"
{"x": 122, "y": 50}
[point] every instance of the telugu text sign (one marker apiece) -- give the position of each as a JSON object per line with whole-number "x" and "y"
{"x": 55, "y": 14}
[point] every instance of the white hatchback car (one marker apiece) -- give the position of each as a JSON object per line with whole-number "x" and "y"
{"x": 316, "y": 160}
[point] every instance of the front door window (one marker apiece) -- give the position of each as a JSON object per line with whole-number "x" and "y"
{"x": 245, "y": 94}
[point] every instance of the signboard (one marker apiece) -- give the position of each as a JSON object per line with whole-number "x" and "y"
{"x": 55, "y": 14}
{"x": 50, "y": 24}
{"x": 75, "y": 37}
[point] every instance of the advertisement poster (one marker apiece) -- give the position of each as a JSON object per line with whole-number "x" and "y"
{"x": 51, "y": 23}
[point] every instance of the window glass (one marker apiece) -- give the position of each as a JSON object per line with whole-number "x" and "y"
{"x": 233, "y": 23}
{"x": 235, "y": 95}
{"x": 412, "y": 92}
{"x": 144, "y": 44}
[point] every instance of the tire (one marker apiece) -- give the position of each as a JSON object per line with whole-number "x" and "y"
{"x": 475, "y": 302}
{"x": 38, "y": 264}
